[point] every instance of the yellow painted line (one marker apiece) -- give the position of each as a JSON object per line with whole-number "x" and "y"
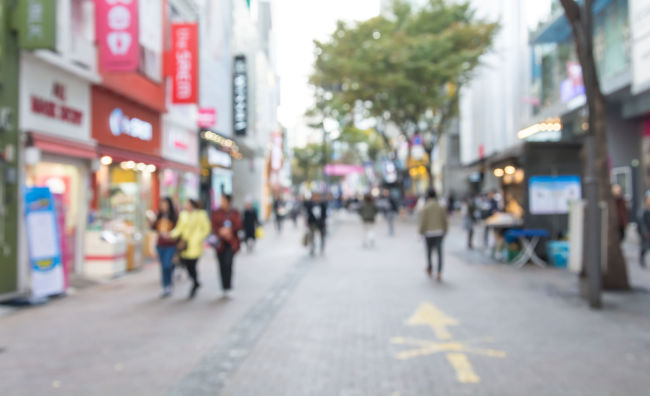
{"x": 464, "y": 370}
{"x": 427, "y": 314}
{"x": 424, "y": 347}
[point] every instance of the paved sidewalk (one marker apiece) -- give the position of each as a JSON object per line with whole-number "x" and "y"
{"x": 354, "y": 322}
{"x": 120, "y": 338}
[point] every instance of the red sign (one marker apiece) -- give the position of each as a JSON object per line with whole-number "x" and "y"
{"x": 185, "y": 63}
{"x": 117, "y": 31}
{"x": 207, "y": 117}
{"x": 123, "y": 124}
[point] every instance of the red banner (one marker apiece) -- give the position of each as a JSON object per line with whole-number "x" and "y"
{"x": 185, "y": 63}
{"x": 116, "y": 24}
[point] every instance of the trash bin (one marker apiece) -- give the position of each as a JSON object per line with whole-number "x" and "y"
{"x": 558, "y": 253}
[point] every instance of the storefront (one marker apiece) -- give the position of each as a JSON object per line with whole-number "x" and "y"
{"x": 59, "y": 151}
{"x": 179, "y": 178}
{"x": 217, "y": 155}
{"x": 126, "y": 185}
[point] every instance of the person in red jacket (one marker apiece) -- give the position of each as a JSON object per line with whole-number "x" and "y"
{"x": 226, "y": 224}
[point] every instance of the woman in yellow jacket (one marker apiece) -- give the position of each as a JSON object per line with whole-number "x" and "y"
{"x": 192, "y": 228}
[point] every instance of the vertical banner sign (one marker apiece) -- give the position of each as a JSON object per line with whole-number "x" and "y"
{"x": 43, "y": 242}
{"x": 116, "y": 23}
{"x": 35, "y": 21}
{"x": 185, "y": 63}
{"x": 240, "y": 96}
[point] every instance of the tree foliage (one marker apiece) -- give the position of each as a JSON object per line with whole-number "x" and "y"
{"x": 404, "y": 69}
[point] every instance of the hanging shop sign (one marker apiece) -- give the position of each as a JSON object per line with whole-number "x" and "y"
{"x": 185, "y": 63}
{"x": 240, "y": 96}
{"x": 207, "y": 117}
{"x": 35, "y": 21}
{"x": 43, "y": 243}
{"x": 217, "y": 157}
{"x": 180, "y": 145}
{"x": 52, "y": 101}
{"x": 117, "y": 30}
{"x": 123, "y": 124}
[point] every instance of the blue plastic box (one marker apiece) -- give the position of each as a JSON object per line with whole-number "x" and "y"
{"x": 558, "y": 253}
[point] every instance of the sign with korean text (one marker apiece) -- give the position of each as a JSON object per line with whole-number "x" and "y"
{"x": 240, "y": 96}
{"x": 43, "y": 243}
{"x": 116, "y": 23}
{"x": 185, "y": 63}
{"x": 35, "y": 21}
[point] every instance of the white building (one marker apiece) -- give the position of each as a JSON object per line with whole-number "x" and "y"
{"x": 494, "y": 105}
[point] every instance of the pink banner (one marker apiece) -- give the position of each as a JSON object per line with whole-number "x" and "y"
{"x": 207, "y": 117}
{"x": 342, "y": 169}
{"x": 116, "y": 27}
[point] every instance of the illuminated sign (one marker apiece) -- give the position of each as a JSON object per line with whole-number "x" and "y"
{"x": 120, "y": 124}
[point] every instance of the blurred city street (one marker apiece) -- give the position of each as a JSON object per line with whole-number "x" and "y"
{"x": 355, "y": 321}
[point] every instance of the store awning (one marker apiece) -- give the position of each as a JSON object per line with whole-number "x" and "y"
{"x": 181, "y": 167}
{"x": 559, "y": 29}
{"x": 68, "y": 148}
{"x": 120, "y": 155}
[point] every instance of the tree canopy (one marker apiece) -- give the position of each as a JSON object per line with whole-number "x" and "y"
{"x": 405, "y": 68}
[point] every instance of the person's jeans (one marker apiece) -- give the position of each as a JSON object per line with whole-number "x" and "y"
{"x": 313, "y": 229}
{"x": 166, "y": 256}
{"x": 190, "y": 264}
{"x": 225, "y": 259}
{"x": 390, "y": 218}
{"x": 434, "y": 243}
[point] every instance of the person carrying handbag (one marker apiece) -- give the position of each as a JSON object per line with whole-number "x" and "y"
{"x": 192, "y": 228}
{"x": 226, "y": 225}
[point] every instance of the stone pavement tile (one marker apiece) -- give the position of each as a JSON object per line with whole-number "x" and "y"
{"x": 333, "y": 336}
{"x": 120, "y": 338}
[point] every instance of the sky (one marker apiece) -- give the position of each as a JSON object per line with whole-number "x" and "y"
{"x": 298, "y": 22}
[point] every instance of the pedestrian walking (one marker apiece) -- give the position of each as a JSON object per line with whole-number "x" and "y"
{"x": 644, "y": 230}
{"x": 621, "y": 211}
{"x": 433, "y": 227}
{"x": 191, "y": 230}
{"x": 316, "y": 210}
{"x": 469, "y": 212}
{"x": 226, "y": 224}
{"x": 163, "y": 224}
{"x": 451, "y": 203}
{"x": 390, "y": 209}
{"x": 368, "y": 213}
{"x": 251, "y": 222}
{"x": 279, "y": 211}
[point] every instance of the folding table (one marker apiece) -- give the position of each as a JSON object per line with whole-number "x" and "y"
{"x": 529, "y": 239}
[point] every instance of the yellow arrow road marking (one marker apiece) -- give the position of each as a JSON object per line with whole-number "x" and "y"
{"x": 430, "y": 348}
{"x": 464, "y": 370}
{"x": 429, "y": 315}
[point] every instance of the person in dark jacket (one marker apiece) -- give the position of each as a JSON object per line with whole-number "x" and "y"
{"x": 368, "y": 213}
{"x": 390, "y": 208}
{"x": 226, "y": 224}
{"x": 316, "y": 210}
{"x": 251, "y": 222}
{"x": 644, "y": 230}
{"x": 621, "y": 211}
{"x": 166, "y": 246}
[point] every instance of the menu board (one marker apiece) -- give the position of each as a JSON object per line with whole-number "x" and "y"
{"x": 552, "y": 194}
{"x": 43, "y": 243}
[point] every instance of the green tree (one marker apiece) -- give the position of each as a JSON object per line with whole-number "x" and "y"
{"x": 598, "y": 185}
{"x": 405, "y": 69}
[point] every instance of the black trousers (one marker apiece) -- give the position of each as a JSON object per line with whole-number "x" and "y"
{"x": 190, "y": 264}
{"x": 225, "y": 259}
{"x": 434, "y": 243}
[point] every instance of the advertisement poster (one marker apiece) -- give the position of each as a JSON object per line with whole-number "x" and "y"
{"x": 117, "y": 33}
{"x": 552, "y": 194}
{"x": 43, "y": 243}
{"x": 185, "y": 63}
{"x": 35, "y": 21}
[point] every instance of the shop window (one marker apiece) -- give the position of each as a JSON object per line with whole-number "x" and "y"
{"x": 82, "y": 32}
